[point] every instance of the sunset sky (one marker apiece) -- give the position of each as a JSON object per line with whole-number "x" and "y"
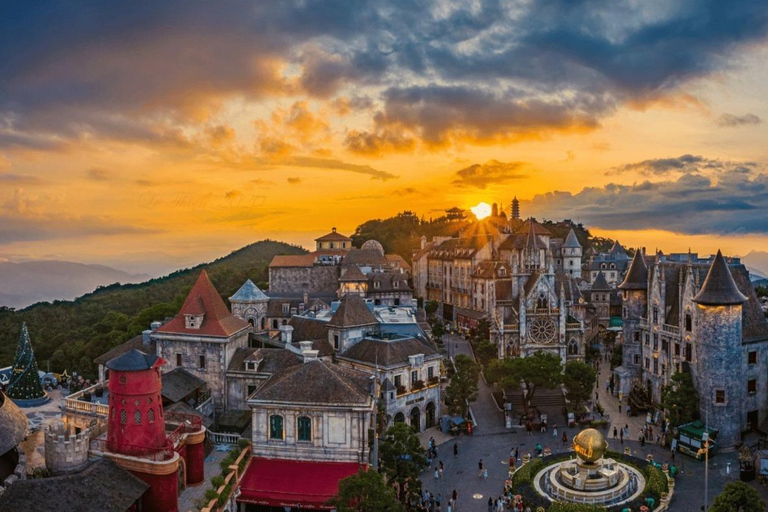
{"x": 153, "y": 135}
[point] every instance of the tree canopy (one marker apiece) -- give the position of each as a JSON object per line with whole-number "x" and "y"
{"x": 365, "y": 491}
{"x": 738, "y": 497}
{"x": 402, "y": 460}
{"x": 463, "y": 386}
{"x": 579, "y": 380}
{"x": 681, "y": 399}
{"x": 539, "y": 370}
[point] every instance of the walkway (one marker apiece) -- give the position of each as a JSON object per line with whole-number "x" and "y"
{"x": 192, "y": 497}
{"x": 611, "y": 405}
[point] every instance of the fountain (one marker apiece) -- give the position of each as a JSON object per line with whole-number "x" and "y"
{"x": 590, "y": 477}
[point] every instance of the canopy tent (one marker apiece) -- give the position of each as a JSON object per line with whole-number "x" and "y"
{"x": 293, "y": 483}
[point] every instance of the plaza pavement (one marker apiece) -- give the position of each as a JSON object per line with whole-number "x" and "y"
{"x": 492, "y": 442}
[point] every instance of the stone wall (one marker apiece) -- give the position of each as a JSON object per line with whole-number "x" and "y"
{"x": 19, "y": 472}
{"x": 315, "y": 279}
{"x": 65, "y": 451}
{"x": 717, "y": 333}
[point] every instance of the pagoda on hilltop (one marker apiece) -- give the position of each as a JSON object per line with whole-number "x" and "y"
{"x": 25, "y": 388}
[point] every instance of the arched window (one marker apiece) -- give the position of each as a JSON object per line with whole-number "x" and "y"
{"x": 304, "y": 428}
{"x": 263, "y": 323}
{"x": 137, "y": 417}
{"x": 123, "y": 417}
{"x": 274, "y": 323}
{"x": 276, "y": 427}
{"x": 250, "y": 321}
{"x": 151, "y": 416}
{"x": 573, "y": 348}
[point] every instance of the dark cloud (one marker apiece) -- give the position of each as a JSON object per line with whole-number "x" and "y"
{"x": 141, "y": 72}
{"x": 337, "y": 165}
{"x": 693, "y": 204}
{"x": 682, "y": 164}
{"x": 490, "y": 173}
{"x": 98, "y": 174}
{"x": 19, "y": 179}
{"x": 293, "y": 180}
{"x": 730, "y": 120}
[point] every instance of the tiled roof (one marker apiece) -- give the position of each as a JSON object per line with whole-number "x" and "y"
{"x": 333, "y": 236}
{"x": 293, "y": 260}
{"x": 513, "y": 242}
{"x": 386, "y": 282}
{"x": 600, "y": 284}
{"x": 178, "y": 383}
{"x": 571, "y": 241}
{"x": 490, "y": 270}
{"x": 388, "y": 352}
{"x": 133, "y": 361}
{"x": 317, "y": 382}
{"x": 352, "y": 273}
{"x": 637, "y": 275}
{"x": 531, "y": 225}
{"x": 272, "y": 359}
{"x": 249, "y": 292}
{"x": 364, "y": 257}
{"x": 102, "y": 486}
{"x": 353, "y": 311}
{"x": 217, "y": 320}
{"x": 719, "y": 288}
{"x": 399, "y": 261}
{"x": 137, "y": 342}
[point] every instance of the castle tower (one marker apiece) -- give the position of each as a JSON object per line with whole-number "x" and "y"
{"x": 635, "y": 294}
{"x": 136, "y": 425}
{"x": 717, "y": 334}
{"x": 571, "y": 251}
{"x": 515, "y": 210}
{"x": 249, "y": 303}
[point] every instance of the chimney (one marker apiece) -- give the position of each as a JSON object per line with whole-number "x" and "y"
{"x": 146, "y": 337}
{"x": 155, "y": 325}
{"x": 286, "y": 334}
{"x": 305, "y": 345}
{"x": 309, "y": 355}
{"x": 306, "y": 299}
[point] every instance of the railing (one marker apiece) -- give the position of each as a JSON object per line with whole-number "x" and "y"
{"x": 428, "y": 385}
{"x": 73, "y": 402}
{"x": 187, "y": 424}
{"x": 204, "y": 406}
{"x": 144, "y": 452}
{"x": 231, "y": 481}
{"x": 671, "y": 329}
{"x": 222, "y": 437}
{"x": 644, "y": 323}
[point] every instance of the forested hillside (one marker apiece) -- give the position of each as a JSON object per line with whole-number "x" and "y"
{"x": 70, "y": 334}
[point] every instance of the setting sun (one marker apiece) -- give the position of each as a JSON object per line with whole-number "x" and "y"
{"x": 481, "y": 211}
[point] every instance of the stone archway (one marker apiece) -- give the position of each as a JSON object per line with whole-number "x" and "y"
{"x": 415, "y": 418}
{"x": 430, "y": 410}
{"x": 400, "y": 418}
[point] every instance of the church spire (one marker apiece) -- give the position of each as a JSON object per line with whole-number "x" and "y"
{"x": 637, "y": 275}
{"x": 719, "y": 288}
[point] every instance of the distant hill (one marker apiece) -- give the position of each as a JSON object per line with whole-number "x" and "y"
{"x": 70, "y": 334}
{"x": 757, "y": 260}
{"x": 22, "y": 284}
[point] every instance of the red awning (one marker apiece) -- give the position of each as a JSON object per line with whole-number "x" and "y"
{"x": 289, "y": 483}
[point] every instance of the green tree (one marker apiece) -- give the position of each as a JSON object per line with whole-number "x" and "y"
{"x": 681, "y": 399}
{"x": 365, "y": 491}
{"x": 402, "y": 460}
{"x": 486, "y": 352}
{"x": 463, "y": 386}
{"x": 579, "y": 379}
{"x": 738, "y": 497}
{"x": 539, "y": 370}
{"x": 430, "y": 308}
{"x": 438, "y": 329}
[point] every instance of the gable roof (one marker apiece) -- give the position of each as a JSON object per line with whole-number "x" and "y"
{"x": 618, "y": 251}
{"x": 102, "y": 486}
{"x": 352, "y": 311}
{"x": 292, "y": 260}
{"x": 531, "y": 226}
{"x": 316, "y": 382}
{"x": 600, "y": 283}
{"x": 178, "y": 383}
{"x": 637, "y": 275}
{"x": 353, "y": 273}
{"x": 217, "y": 320}
{"x": 137, "y": 342}
{"x": 719, "y": 288}
{"x": 272, "y": 359}
{"x": 249, "y": 292}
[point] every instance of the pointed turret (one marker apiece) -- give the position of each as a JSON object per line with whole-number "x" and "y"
{"x": 571, "y": 241}
{"x": 249, "y": 292}
{"x": 600, "y": 284}
{"x": 637, "y": 276}
{"x": 719, "y": 288}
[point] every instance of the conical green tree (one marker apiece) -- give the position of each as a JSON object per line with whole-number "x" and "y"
{"x": 25, "y": 380}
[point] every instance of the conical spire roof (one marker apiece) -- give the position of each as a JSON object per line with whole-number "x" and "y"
{"x": 352, "y": 312}
{"x": 617, "y": 250}
{"x": 637, "y": 276}
{"x": 600, "y": 283}
{"x": 719, "y": 288}
{"x": 571, "y": 241}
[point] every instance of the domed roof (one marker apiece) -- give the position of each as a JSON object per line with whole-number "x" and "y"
{"x": 13, "y": 424}
{"x": 590, "y": 445}
{"x": 374, "y": 245}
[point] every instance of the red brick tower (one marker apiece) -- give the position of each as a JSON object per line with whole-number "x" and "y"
{"x": 136, "y": 425}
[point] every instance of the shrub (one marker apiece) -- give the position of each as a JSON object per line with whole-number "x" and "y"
{"x": 242, "y": 443}
{"x": 211, "y": 494}
{"x": 217, "y": 481}
{"x": 224, "y": 496}
{"x": 225, "y": 463}
{"x": 561, "y": 506}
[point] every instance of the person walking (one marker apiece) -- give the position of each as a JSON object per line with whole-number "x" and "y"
{"x": 615, "y": 433}
{"x": 437, "y": 473}
{"x": 565, "y": 440}
{"x": 619, "y": 407}
{"x": 517, "y": 453}
{"x": 455, "y": 450}
{"x": 490, "y": 504}
{"x": 529, "y": 428}
{"x": 621, "y": 436}
{"x": 480, "y": 466}
{"x": 554, "y": 430}
{"x": 440, "y": 469}
{"x": 629, "y": 408}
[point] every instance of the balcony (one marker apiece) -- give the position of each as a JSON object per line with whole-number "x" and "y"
{"x": 643, "y": 323}
{"x": 670, "y": 329}
{"x": 418, "y": 386}
{"x": 95, "y": 405}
